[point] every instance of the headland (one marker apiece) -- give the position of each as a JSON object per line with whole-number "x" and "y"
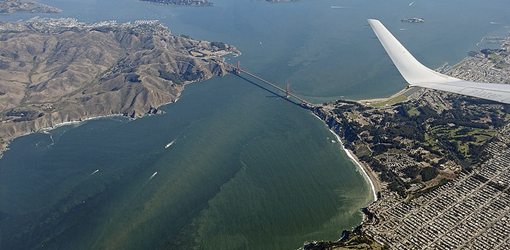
{"x": 61, "y": 70}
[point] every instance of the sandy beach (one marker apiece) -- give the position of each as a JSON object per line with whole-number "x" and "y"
{"x": 369, "y": 175}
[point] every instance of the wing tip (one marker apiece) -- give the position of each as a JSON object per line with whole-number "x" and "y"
{"x": 373, "y": 20}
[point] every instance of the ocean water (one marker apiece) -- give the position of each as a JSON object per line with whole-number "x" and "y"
{"x": 247, "y": 170}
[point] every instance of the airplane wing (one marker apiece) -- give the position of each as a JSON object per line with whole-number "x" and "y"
{"x": 417, "y": 74}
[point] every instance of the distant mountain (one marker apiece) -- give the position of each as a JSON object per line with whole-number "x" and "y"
{"x": 11, "y": 6}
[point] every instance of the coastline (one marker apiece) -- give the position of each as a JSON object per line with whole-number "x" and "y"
{"x": 81, "y": 120}
{"x": 66, "y": 123}
{"x": 383, "y": 99}
{"x": 61, "y": 124}
{"x": 400, "y": 96}
{"x": 369, "y": 176}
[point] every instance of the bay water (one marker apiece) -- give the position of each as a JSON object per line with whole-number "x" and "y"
{"x": 246, "y": 169}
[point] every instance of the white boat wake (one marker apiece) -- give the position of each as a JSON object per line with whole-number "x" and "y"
{"x": 170, "y": 144}
{"x": 338, "y": 7}
{"x": 152, "y": 176}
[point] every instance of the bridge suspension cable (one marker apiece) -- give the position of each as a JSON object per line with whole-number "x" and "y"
{"x": 288, "y": 94}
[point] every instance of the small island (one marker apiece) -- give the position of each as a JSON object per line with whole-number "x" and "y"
{"x": 12, "y": 6}
{"x": 182, "y": 2}
{"x": 54, "y": 71}
{"x": 413, "y": 20}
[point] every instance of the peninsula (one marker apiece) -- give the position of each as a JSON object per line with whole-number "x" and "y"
{"x": 182, "y": 2}
{"x": 60, "y": 70}
{"x": 442, "y": 161}
{"x": 12, "y": 6}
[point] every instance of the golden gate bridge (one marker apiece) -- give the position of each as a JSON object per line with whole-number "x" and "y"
{"x": 286, "y": 93}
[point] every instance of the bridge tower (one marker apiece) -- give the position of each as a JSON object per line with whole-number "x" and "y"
{"x": 287, "y": 90}
{"x": 237, "y": 69}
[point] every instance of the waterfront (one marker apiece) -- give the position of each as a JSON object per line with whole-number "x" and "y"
{"x": 247, "y": 170}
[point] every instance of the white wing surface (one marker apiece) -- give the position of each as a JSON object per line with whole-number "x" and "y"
{"x": 416, "y": 74}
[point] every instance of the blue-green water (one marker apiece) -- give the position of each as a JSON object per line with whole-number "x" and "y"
{"x": 247, "y": 170}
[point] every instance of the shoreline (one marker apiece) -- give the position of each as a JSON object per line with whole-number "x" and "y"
{"x": 82, "y": 120}
{"x": 366, "y": 172}
{"x": 86, "y": 119}
{"x": 46, "y": 130}
{"x": 383, "y": 99}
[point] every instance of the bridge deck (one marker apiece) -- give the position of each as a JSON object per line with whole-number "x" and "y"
{"x": 237, "y": 70}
